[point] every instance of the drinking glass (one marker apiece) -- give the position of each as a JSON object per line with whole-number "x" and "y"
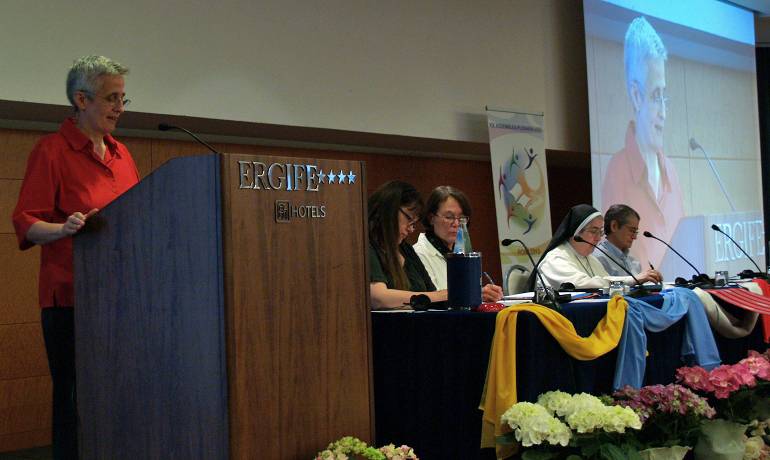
{"x": 720, "y": 278}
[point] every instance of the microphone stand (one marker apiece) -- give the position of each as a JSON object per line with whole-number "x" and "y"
{"x": 704, "y": 279}
{"x": 550, "y": 295}
{"x": 760, "y": 273}
{"x": 694, "y": 145}
{"x": 166, "y": 127}
{"x": 640, "y": 291}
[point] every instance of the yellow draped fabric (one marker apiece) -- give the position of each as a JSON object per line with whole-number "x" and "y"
{"x": 500, "y": 387}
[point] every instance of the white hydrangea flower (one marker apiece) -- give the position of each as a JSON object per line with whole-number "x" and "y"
{"x": 533, "y": 424}
{"x": 609, "y": 418}
{"x": 556, "y": 402}
{"x": 582, "y": 402}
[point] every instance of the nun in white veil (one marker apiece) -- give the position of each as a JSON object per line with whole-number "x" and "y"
{"x": 566, "y": 260}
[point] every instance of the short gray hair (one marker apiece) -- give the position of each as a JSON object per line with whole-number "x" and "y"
{"x": 85, "y": 72}
{"x": 620, "y": 213}
{"x": 642, "y": 43}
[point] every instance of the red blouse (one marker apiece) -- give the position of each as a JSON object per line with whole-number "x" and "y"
{"x": 64, "y": 175}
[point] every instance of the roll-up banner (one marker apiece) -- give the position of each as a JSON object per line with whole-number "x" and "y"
{"x": 517, "y": 144}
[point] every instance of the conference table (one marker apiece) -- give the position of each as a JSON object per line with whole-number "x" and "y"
{"x": 430, "y": 368}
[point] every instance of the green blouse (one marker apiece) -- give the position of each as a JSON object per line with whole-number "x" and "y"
{"x": 419, "y": 280}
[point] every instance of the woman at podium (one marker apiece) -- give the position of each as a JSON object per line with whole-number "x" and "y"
{"x": 445, "y": 207}
{"x": 70, "y": 175}
{"x": 396, "y": 272}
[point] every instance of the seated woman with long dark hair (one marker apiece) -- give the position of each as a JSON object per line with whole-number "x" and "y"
{"x": 396, "y": 272}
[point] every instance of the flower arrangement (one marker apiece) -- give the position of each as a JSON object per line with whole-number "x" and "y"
{"x": 756, "y": 449}
{"x": 560, "y": 424}
{"x": 741, "y": 391}
{"x": 670, "y": 414}
{"x": 347, "y": 446}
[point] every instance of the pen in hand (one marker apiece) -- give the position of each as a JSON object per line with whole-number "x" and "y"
{"x": 490, "y": 279}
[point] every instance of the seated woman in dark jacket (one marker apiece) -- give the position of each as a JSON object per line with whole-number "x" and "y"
{"x": 396, "y": 272}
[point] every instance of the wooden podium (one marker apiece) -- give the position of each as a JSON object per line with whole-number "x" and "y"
{"x": 222, "y": 312}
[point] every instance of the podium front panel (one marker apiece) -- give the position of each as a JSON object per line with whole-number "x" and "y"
{"x": 149, "y": 319}
{"x": 298, "y": 331}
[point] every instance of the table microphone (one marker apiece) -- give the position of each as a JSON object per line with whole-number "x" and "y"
{"x": 641, "y": 291}
{"x": 166, "y": 127}
{"x": 703, "y": 279}
{"x": 550, "y": 300}
{"x": 760, "y": 272}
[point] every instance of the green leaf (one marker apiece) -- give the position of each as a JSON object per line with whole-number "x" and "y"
{"x": 611, "y": 452}
{"x": 537, "y": 454}
{"x": 631, "y": 452}
{"x": 590, "y": 447}
{"x": 507, "y": 439}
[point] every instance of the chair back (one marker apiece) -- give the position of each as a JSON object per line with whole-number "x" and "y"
{"x": 515, "y": 279}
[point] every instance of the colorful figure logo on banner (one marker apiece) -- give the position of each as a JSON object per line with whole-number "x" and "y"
{"x": 522, "y": 187}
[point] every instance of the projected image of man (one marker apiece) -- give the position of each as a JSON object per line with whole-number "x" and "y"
{"x": 640, "y": 175}
{"x": 621, "y": 228}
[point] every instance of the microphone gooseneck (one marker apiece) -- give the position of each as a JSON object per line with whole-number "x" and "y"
{"x": 698, "y": 276}
{"x": 641, "y": 290}
{"x": 716, "y": 228}
{"x": 694, "y": 145}
{"x": 167, "y": 127}
{"x": 550, "y": 300}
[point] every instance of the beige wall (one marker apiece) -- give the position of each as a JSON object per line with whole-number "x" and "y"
{"x": 423, "y": 69}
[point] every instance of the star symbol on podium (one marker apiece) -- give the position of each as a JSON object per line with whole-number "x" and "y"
{"x": 332, "y": 177}
{"x": 351, "y": 178}
{"x": 342, "y": 177}
{"x": 321, "y": 177}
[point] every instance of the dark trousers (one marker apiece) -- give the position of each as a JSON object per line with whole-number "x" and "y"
{"x": 59, "y": 336}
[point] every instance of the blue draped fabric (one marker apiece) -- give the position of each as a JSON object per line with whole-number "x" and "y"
{"x": 698, "y": 346}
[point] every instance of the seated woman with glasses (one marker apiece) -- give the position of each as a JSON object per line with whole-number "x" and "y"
{"x": 567, "y": 260}
{"x": 445, "y": 209}
{"x": 396, "y": 273}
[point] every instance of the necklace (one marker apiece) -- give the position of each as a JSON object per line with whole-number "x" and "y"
{"x": 588, "y": 270}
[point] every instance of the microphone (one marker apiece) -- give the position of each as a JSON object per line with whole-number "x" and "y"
{"x": 716, "y": 228}
{"x": 550, "y": 300}
{"x": 699, "y": 277}
{"x": 694, "y": 145}
{"x": 641, "y": 291}
{"x": 167, "y": 127}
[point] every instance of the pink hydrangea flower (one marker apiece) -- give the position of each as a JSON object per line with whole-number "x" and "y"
{"x": 758, "y": 366}
{"x": 696, "y": 378}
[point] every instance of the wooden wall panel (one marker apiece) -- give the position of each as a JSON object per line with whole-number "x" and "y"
{"x": 23, "y": 404}
{"x": 166, "y": 149}
{"x": 15, "y": 146}
{"x": 23, "y": 351}
{"x": 26, "y": 439}
{"x": 141, "y": 152}
{"x": 9, "y": 193}
{"x": 18, "y": 283}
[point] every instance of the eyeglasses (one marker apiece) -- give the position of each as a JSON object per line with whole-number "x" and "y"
{"x": 113, "y": 100}
{"x": 657, "y": 101}
{"x": 634, "y": 231}
{"x": 595, "y": 231}
{"x": 450, "y": 219}
{"x": 410, "y": 221}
